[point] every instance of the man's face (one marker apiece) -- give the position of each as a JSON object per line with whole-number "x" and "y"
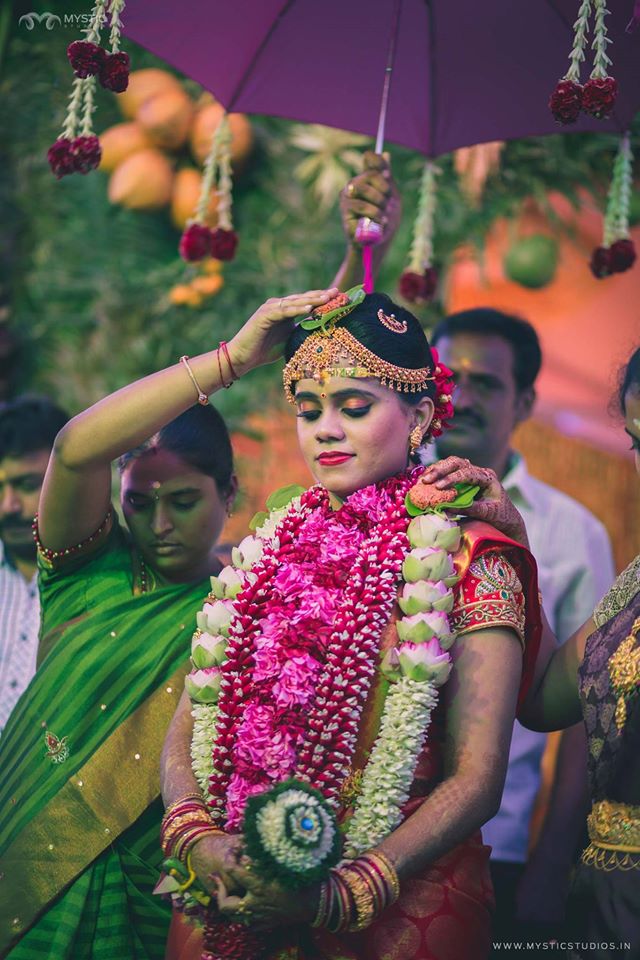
{"x": 20, "y": 484}
{"x": 487, "y": 404}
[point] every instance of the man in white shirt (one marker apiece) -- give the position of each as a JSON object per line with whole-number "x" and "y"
{"x": 496, "y": 359}
{"x": 28, "y": 427}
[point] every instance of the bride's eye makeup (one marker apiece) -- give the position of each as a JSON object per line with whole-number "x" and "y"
{"x": 356, "y": 409}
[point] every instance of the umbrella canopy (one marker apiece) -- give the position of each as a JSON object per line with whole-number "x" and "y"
{"x": 465, "y": 72}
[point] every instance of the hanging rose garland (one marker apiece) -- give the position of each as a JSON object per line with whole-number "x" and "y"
{"x": 597, "y": 97}
{"x": 78, "y": 150}
{"x": 419, "y": 281}
{"x": 198, "y": 240}
{"x": 617, "y": 253}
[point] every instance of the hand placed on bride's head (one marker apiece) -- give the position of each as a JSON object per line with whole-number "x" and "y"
{"x": 492, "y": 505}
{"x": 264, "y": 334}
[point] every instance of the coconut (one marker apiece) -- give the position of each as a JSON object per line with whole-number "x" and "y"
{"x": 206, "y": 122}
{"x": 166, "y": 118}
{"x": 184, "y": 198}
{"x": 119, "y": 142}
{"x": 142, "y": 181}
{"x": 532, "y": 261}
{"x": 144, "y": 84}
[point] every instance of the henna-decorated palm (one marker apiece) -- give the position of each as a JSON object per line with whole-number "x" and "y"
{"x": 493, "y": 505}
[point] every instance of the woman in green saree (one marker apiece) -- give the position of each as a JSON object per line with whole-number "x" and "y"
{"x": 79, "y": 793}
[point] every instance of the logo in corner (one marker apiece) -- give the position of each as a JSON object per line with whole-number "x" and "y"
{"x": 31, "y": 19}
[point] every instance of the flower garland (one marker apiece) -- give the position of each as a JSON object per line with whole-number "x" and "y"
{"x": 418, "y": 282}
{"x": 322, "y": 589}
{"x": 416, "y": 667}
{"x": 198, "y": 240}
{"x": 302, "y": 565}
{"x": 597, "y": 97}
{"x": 78, "y": 149}
{"x": 617, "y": 253}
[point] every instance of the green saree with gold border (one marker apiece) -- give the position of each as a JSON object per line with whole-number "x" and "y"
{"x": 79, "y": 790}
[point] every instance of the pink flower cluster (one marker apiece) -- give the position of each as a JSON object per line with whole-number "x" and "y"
{"x": 303, "y": 645}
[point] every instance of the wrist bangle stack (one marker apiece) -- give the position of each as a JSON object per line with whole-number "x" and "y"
{"x": 185, "y": 822}
{"x": 203, "y": 399}
{"x": 356, "y": 893}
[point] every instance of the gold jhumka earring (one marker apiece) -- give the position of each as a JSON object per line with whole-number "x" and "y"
{"x": 415, "y": 439}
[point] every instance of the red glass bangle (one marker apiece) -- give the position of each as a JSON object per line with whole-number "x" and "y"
{"x": 224, "y": 347}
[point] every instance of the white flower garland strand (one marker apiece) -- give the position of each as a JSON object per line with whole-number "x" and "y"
{"x": 389, "y": 773}
{"x": 204, "y": 721}
{"x": 616, "y": 221}
{"x": 576, "y": 56}
{"x": 600, "y": 42}
{"x": 421, "y": 253}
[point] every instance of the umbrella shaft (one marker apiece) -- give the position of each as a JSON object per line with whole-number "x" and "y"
{"x": 386, "y": 87}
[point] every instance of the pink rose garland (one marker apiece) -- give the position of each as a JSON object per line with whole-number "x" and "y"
{"x": 303, "y": 645}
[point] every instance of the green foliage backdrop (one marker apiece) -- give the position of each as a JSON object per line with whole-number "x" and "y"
{"x": 87, "y": 282}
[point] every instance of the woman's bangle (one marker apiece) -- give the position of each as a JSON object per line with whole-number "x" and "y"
{"x": 322, "y": 914}
{"x": 356, "y": 893}
{"x": 203, "y": 399}
{"x": 196, "y": 797}
{"x": 225, "y": 349}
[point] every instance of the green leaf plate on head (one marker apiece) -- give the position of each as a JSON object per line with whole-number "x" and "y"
{"x": 356, "y": 295}
{"x": 466, "y": 494}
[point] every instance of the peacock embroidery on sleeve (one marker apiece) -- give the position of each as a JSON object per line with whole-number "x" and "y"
{"x": 490, "y": 595}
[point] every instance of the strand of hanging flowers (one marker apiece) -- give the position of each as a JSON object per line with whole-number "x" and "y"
{"x": 77, "y": 149}
{"x": 617, "y": 253}
{"x": 418, "y": 282}
{"x": 198, "y": 240}
{"x": 598, "y": 95}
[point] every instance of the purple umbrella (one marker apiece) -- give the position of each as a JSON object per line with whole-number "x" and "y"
{"x": 465, "y": 72}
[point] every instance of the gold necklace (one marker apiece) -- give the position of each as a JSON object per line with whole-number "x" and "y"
{"x": 624, "y": 673}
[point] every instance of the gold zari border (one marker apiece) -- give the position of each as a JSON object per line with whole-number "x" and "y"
{"x": 99, "y": 802}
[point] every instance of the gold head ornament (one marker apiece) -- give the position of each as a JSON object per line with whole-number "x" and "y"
{"x": 337, "y": 353}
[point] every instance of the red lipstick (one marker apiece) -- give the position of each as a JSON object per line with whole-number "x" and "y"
{"x": 333, "y": 459}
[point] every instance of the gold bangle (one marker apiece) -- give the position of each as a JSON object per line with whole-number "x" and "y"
{"x": 176, "y": 803}
{"x": 203, "y": 399}
{"x": 388, "y": 870}
{"x": 362, "y": 897}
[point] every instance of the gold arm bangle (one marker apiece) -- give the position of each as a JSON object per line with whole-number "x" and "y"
{"x": 203, "y": 399}
{"x": 176, "y": 803}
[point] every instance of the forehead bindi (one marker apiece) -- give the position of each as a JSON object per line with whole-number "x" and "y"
{"x": 159, "y": 472}
{"x": 340, "y": 388}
